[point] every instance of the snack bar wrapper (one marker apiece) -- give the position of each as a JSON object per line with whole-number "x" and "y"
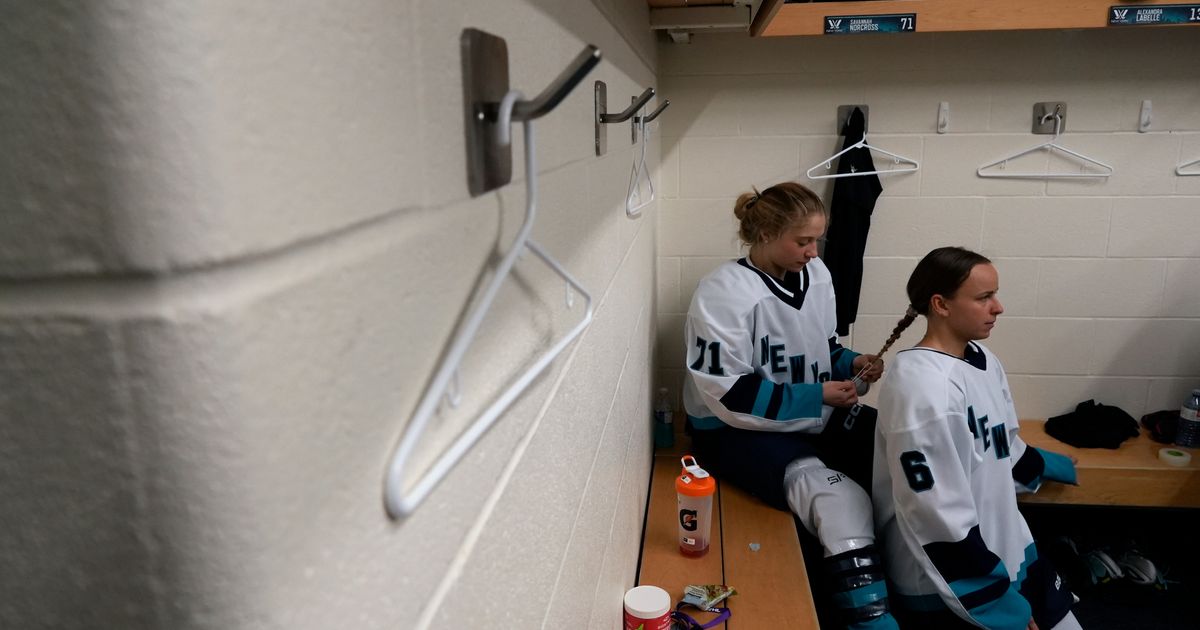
{"x": 706, "y": 596}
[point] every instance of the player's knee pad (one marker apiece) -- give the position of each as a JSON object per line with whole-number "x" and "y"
{"x": 831, "y": 506}
{"x": 860, "y": 590}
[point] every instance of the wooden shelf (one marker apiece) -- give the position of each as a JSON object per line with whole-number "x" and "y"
{"x": 778, "y": 19}
{"x": 1131, "y": 475}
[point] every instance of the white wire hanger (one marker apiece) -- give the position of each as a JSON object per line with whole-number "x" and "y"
{"x": 633, "y": 195}
{"x": 1051, "y": 145}
{"x": 401, "y": 499}
{"x": 910, "y": 164}
{"x": 1179, "y": 170}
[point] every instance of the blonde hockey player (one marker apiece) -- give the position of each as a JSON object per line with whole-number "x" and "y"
{"x": 771, "y": 403}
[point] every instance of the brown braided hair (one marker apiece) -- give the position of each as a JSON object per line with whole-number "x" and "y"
{"x": 909, "y": 316}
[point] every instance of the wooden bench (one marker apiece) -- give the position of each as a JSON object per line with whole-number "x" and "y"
{"x": 1131, "y": 475}
{"x": 770, "y": 578}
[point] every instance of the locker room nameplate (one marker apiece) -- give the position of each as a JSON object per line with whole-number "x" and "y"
{"x": 1127, "y": 15}
{"x": 860, "y": 24}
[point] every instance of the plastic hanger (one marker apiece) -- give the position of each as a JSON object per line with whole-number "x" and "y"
{"x": 1179, "y": 169}
{"x": 827, "y": 163}
{"x": 633, "y": 195}
{"x": 401, "y": 501}
{"x": 1052, "y": 145}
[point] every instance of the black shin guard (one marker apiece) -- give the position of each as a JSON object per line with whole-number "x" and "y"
{"x": 859, "y": 587}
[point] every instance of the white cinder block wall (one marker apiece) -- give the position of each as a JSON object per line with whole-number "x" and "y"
{"x": 1101, "y": 279}
{"x": 235, "y": 238}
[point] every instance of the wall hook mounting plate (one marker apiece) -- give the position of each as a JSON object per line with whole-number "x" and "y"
{"x": 485, "y": 80}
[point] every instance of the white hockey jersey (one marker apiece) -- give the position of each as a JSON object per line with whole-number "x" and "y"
{"x": 947, "y": 455}
{"x": 759, "y": 349}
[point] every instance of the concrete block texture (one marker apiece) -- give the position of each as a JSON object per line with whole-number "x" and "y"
{"x": 237, "y": 241}
{"x": 1097, "y": 276}
{"x": 150, "y": 137}
{"x": 65, "y": 460}
{"x": 1047, "y": 227}
{"x": 913, "y": 226}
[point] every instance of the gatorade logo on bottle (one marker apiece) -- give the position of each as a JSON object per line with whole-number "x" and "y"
{"x": 687, "y": 520}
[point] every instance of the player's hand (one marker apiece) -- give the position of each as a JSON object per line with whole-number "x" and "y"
{"x": 1032, "y": 625}
{"x": 863, "y": 360}
{"x": 839, "y": 393}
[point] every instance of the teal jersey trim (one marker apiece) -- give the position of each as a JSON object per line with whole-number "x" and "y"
{"x": 763, "y": 400}
{"x": 1009, "y": 611}
{"x": 1031, "y": 556}
{"x": 1058, "y": 467}
{"x": 842, "y": 367}
{"x": 801, "y": 400}
{"x": 968, "y": 586}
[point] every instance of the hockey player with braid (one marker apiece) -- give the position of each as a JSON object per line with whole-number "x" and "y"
{"x": 770, "y": 402}
{"x": 948, "y": 464}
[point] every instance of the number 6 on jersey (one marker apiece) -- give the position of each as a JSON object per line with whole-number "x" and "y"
{"x": 920, "y": 478}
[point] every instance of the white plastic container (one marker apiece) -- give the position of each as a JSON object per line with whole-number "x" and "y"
{"x": 647, "y": 608}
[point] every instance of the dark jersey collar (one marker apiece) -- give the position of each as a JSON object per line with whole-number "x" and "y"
{"x": 973, "y": 355}
{"x": 797, "y": 283}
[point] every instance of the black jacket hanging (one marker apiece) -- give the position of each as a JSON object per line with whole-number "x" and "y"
{"x": 849, "y": 221}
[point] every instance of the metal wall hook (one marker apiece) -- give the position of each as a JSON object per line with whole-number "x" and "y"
{"x": 485, "y": 84}
{"x": 637, "y": 104}
{"x": 604, "y": 118}
{"x": 639, "y": 120}
{"x": 658, "y": 110}
{"x": 554, "y": 93}
{"x": 1047, "y": 111}
{"x": 1058, "y": 121}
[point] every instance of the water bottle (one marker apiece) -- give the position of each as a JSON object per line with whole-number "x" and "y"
{"x": 664, "y": 427}
{"x": 1187, "y": 434}
{"x": 694, "y": 489}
